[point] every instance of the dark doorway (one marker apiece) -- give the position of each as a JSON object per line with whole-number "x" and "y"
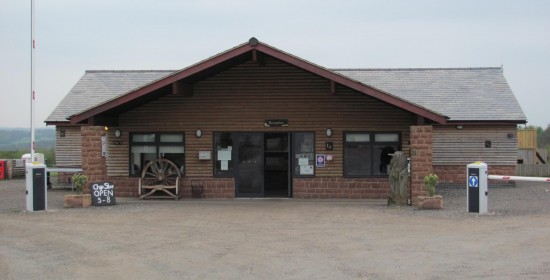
{"x": 276, "y": 165}
{"x": 249, "y": 170}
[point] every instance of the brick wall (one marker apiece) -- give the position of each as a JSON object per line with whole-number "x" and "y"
{"x": 212, "y": 187}
{"x": 334, "y": 187}
{"x": 456, "y": 174}
{"x": 93, "y": 163}
{"x": 421, "y": 158}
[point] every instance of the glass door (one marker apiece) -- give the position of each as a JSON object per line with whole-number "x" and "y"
{"x": 249, "y": 170}
{"x": 276, "y": 165}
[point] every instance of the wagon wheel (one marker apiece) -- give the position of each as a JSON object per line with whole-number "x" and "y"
{"x": 160, "y": 172}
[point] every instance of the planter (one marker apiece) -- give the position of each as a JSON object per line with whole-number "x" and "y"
{"x": 77, "y": 200}
{"x": 429, "y": 202}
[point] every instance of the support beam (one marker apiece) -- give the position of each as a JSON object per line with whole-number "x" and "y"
{"x": 182, "y": 88}
{"x": 420, "y": 120}
{"x": 332, "y": 87}
{"x": 257, "y": 57}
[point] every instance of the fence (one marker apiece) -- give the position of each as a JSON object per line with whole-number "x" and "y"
{"x": 533, "y": 170}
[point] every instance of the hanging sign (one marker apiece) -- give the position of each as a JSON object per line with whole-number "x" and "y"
{"x": 275, "y": 123}
{"x": 104, "y": 146}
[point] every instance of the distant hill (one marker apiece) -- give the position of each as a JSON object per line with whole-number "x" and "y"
{"x": 12, "y": 139}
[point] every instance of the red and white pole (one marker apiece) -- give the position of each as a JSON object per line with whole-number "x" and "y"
{"x": 518, "y": 178}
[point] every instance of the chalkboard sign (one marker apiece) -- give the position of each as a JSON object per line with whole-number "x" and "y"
{"x": 103, "y": 193}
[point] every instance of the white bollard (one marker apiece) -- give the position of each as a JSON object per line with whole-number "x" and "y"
{"x": 476, "y": 187}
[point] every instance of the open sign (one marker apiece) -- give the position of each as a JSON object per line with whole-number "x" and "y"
{"x": 103, "y": 193}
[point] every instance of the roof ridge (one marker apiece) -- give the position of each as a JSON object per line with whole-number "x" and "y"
{"x": 128, "y": 71}
{"x": 415, "y": 69}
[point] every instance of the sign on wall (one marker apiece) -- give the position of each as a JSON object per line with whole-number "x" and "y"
{"x": 320, "y": 160}
{"x": 103, "y": 194}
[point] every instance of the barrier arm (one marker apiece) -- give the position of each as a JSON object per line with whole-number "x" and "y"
{"x": 518, "y": 178}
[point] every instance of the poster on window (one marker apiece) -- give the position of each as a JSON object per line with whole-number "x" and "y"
{"x": 306, "y": 170}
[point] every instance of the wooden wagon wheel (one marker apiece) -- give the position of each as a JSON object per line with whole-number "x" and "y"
{"x": 160, "y": 172}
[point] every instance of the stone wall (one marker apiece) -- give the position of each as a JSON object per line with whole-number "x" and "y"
{"x": 421, "y": 158}
{"x": 93, "y": 163}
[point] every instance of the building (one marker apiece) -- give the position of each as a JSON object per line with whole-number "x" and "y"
{"x": 257, "y": 121}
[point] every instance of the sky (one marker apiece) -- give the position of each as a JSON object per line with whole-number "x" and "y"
{"x": 74, "y": 36}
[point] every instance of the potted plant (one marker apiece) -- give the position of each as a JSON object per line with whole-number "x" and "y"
{"x": 430, "y": 201}
{"x": 78, "y": 200}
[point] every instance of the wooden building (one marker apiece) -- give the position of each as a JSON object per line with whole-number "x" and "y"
{"x": 255, "y": 121}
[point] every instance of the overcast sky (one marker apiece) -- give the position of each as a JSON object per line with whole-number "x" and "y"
{"x": 78, "y": 35}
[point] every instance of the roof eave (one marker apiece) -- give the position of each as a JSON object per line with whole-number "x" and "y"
{"x": 137, "y": 93}
{"x": 356, "y": 85}
{"x": 88, "y": 115}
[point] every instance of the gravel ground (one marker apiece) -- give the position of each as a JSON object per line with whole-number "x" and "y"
{"x": 277, "y": 238}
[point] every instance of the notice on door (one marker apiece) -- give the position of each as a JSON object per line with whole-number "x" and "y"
{"x": 224, "y": 165}
{"x": 224, "y": 155}
{"x": 306, "y": 170}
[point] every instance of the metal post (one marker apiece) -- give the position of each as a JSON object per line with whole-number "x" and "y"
{"x": 33, "y": 77}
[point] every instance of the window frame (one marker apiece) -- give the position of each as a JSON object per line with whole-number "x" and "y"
{"x": 371, "y": 146}
{"x": 293, "y": 152}
{"x": 158, "y": 144}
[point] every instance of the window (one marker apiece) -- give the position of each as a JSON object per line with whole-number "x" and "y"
{"x": 369, "y": 153}
{"x": 223, "y": 149}
{"x": 303, "y": 154}
{"x": 146, "y": 147}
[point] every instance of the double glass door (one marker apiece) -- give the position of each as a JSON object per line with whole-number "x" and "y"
{"x": 262, "y": 166}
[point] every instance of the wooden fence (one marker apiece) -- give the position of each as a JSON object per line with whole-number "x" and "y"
{"x": 533, "y": 170}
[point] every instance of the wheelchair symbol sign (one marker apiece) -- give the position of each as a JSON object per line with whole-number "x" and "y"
{"x": 473, "y": 182}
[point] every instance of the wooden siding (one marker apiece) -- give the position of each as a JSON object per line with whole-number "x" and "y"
{"x": 117, "y": 155}
{"x": 452, "y": 146}
{"x": 527, "y": 139}
{"x": 68, "y": 148}
{"x": 533, "y": 170}
{"x": 243, "y": 97}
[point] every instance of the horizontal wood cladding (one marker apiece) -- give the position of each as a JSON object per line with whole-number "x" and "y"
{"x": 241, "y": 98}
{"x": 453, "y": 146}
{"x": 117, "y": 155}
{"x": 68, "y": 147}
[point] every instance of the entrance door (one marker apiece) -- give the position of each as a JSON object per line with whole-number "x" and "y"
{"x": 249, "y": 170}
{"x": 277, "y": 165}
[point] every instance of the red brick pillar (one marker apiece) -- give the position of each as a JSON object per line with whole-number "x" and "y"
{"x": 94, "y": 165}
{"x": 421, "y": 158}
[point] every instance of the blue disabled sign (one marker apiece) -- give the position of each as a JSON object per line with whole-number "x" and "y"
{"x": 473, "y": 182}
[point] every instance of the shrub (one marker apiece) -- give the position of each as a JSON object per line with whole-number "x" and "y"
{"x": 430, "y": 181}
{"x": 79, "y": 180}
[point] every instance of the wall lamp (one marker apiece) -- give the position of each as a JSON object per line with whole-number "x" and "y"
{"x": 459, "y": 127}
{"x": 329, "y": 132}
{"x": 198, "y": 133}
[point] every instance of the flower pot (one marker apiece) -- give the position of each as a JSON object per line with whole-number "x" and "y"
{"x": 77, "y": 200}
{"x": 429, "y": 202}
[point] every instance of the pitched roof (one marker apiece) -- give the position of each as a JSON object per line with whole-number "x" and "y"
{"x": 98, "y": 86}
{"x": 462, "y": 94}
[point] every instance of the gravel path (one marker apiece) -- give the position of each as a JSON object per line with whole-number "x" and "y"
{"x": 277, "y": 238}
